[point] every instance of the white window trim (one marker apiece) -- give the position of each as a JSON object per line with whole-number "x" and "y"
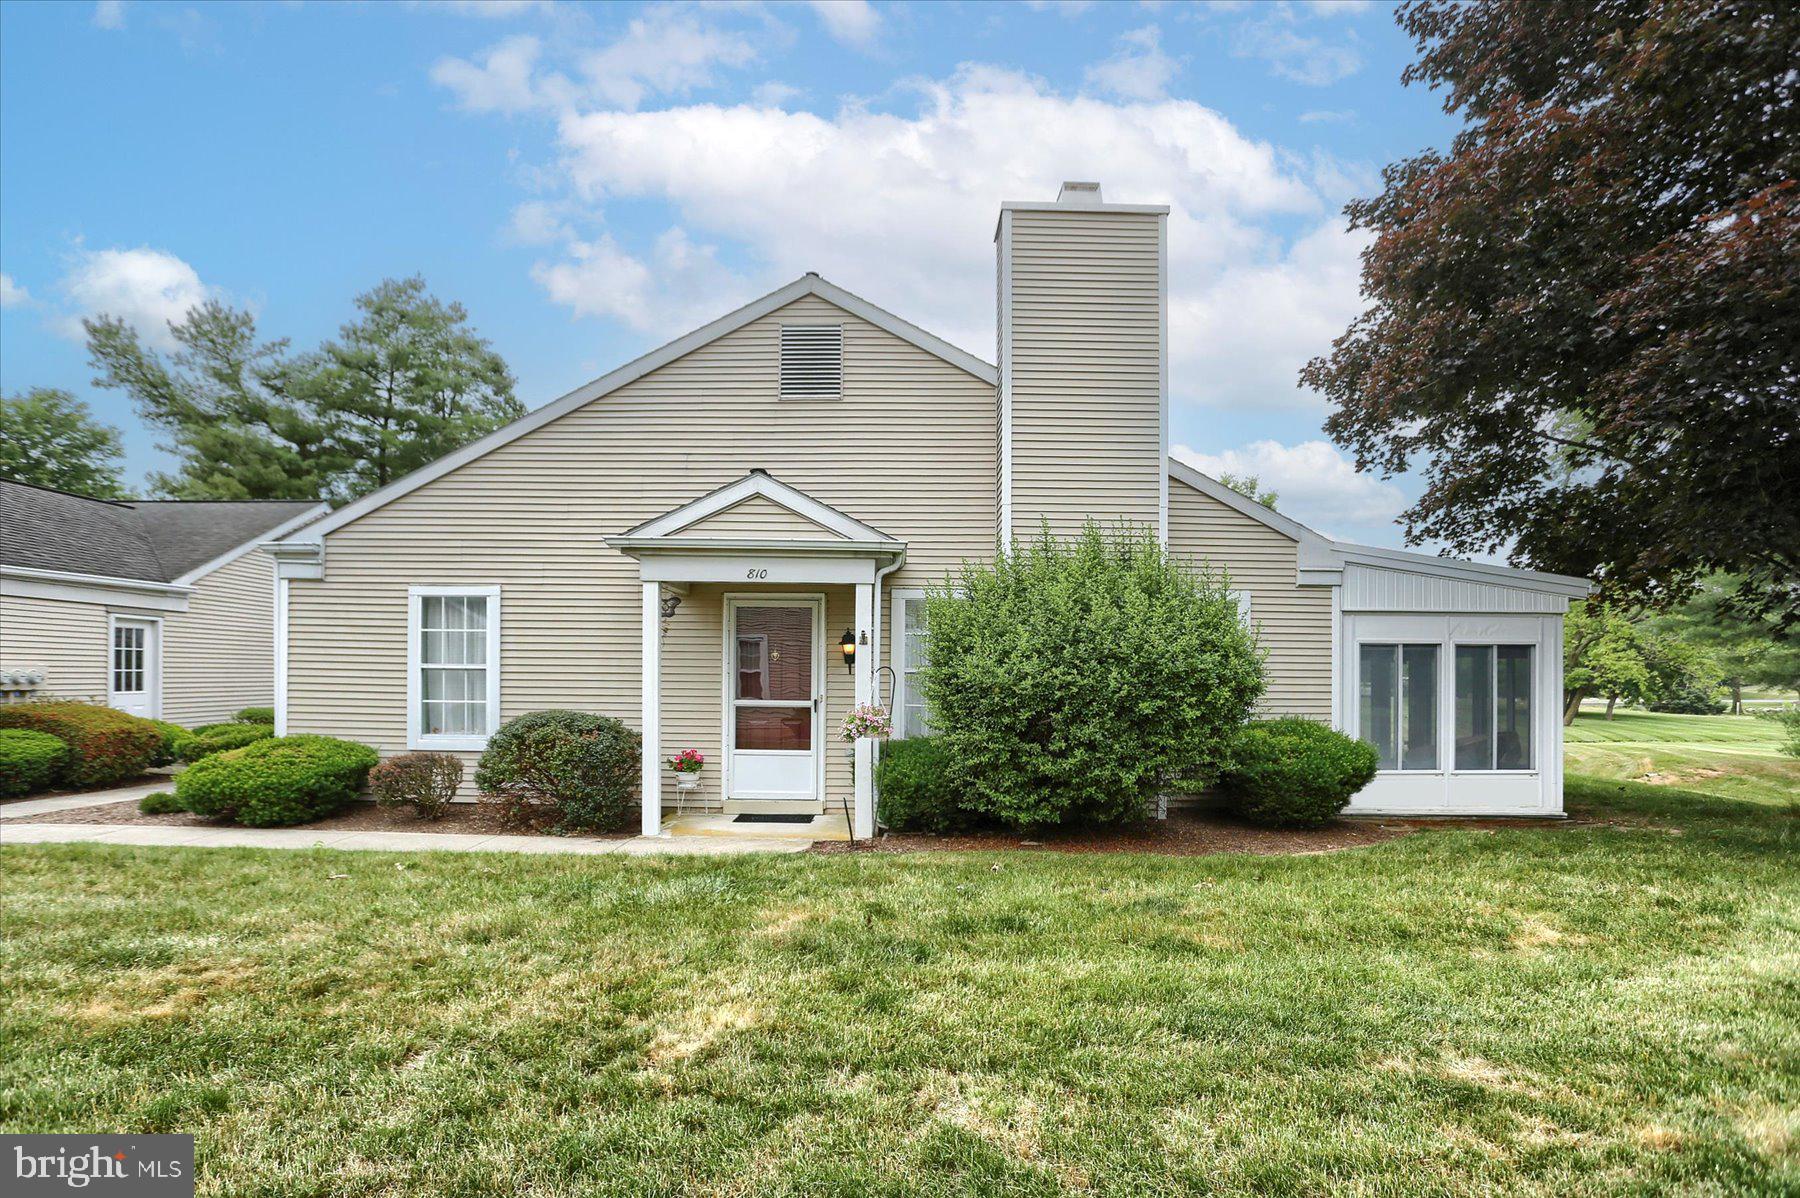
{"x": 1494, "y": 705}
{"x": 899, "y": 597}
{"x": 153, "y": 658}
{"x": 1243, "y": 599}
{"x": 415, "y": 738}
{"x": 1443, "y": 700}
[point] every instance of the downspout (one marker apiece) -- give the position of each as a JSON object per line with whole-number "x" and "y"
{"x": 880, "y": 607}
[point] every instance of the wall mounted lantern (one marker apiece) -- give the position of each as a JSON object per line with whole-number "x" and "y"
{"x": 847, "y": 646}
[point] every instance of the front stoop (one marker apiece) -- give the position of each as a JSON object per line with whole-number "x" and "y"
{"x": 829, "y": 826}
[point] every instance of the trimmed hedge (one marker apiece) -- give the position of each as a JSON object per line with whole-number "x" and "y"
{"x": 579, "y": 766}
{"x": 1294, "y": 772}
{"x": 161, "y": 802}
{"x": 426, "y": 782}
{"x": 217, "y": 738}
{"x": 917, "y": 794}
{"x": 276, "y": 781}
{"x": 28, "y": 761}
{"x": 169, "y": 751}
{"x": 105, "y": 746}
{"x": 256, "y": 715}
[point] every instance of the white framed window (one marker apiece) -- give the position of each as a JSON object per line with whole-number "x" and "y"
{"x": 452, "y": 666}
{"x": 1397, "y": 704}
{"x": 1493, "y": 708}
{"x": 910, "y": 639}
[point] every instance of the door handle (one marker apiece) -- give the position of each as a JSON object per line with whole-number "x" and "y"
{"x": 815, "y": 703}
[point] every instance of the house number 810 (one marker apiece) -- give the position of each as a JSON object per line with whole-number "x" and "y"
{"x": 757, "y": 574}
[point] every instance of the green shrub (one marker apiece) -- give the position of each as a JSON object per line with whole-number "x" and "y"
{"x": 1295, "y": 773}
{"x": 427, "y": 782}
{"x": 275, "y": 781}
{"x": 166, "y": 753}
{"x": 105, "y": 746}
{"x": 1691, "y": 701}
{"x": 917, "y": 793}
{"x": 1072, "y": 680}
{"x": 217, "y": 738}
{"x": 161, "y": 802}
{"x": 582, "y": 768}
{"x": 29, "y": 761}
{"x": 256, "y": 715}
{"x": 1789, "y": 719}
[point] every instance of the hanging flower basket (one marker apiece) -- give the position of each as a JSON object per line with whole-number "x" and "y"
{"x": 868, "y": 720}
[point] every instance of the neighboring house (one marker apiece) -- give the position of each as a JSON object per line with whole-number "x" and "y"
{"x": 160, "y": 608}
{"x": 725, "y": 542}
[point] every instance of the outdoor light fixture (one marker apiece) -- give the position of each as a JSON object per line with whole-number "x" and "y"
{"x": 848, "y": 645}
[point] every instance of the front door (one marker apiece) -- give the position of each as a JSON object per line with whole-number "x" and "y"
{"x": 134, "y": 683}
{"x": 775, "y": 683}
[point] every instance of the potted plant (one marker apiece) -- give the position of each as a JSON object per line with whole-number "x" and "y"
{"x": 687, "y": 765}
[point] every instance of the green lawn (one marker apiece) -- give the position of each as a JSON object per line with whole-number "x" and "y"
{"x": 1729, "y": 756}
{"x": 1606, "y": 1008}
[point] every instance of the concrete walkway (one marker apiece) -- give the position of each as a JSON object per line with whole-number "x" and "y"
{"x": 393, "y": 842}
{"x": 95, "y": 798}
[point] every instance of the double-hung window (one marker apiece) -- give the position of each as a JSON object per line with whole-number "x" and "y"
{"x": 910, "y": 716}
{"x": 1493, "y": 707}
{"x": 453, "y": 667}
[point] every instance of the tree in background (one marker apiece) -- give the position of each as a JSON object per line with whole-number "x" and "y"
{"x": 1601, "y": 656}
{"x": 1584, "y": 314}
{"x": 1250, "y": 487}
{"x": 1746, "y": 649}
{"x": 48, "y": 438}
{"x": 1683, "y": 676}
{"x": 223, "y": 402}
{"x": 405, "y": 384}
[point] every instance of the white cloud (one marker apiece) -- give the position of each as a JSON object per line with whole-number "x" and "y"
{"x": 537, "y": 222}
{"x": 1066, "y": 8}
{"x": 1138, "y": 70}
{"x": 109, "y": 14}
{"x": 146, "y": 288}
{"x": 1317, "y": 485}
{"x": 1276, "y": 37}
{"x": 774, "y": 94}
{"x": 1328, "y": 116}
{"x": 489, "y": 10}
{"x": 680, "y": 285}
{"x": 852, "y": 22}
{"x": 11, "y": 294}
{"x": 901, "y": 208}
{"x": 665, "y": 51}
{"x": 1339, "y": 8}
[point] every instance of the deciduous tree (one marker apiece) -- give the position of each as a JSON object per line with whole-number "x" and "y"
{"x": 1584, "y": 314}
{"x": 50, "y": 439}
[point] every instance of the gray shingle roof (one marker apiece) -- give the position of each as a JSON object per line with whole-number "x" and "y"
{"x": 148, "y": 540}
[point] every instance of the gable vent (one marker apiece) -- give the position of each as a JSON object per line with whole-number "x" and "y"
{"x": 812, "y": 361}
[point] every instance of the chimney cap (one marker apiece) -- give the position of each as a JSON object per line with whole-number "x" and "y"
{"x": 1075, "y": 191}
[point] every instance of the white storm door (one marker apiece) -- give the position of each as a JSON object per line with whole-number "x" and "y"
{"x": 134, "y": 667}
{"x": 775, "y": 665}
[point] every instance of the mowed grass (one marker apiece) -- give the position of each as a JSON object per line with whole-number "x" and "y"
{"x": 1606, "y": 1008}
{"x": 1728, "y": 756}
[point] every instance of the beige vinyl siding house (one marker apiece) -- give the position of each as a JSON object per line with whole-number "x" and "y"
{"x": 690, "y": 544}
{"x": 163, "y": 609}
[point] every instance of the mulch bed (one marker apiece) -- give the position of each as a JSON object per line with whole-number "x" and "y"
{"x": 476, "y": 819}
{"x": 1186, "y": 833}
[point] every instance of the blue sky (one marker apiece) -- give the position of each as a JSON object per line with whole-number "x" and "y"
{"x": 591, "y": 181}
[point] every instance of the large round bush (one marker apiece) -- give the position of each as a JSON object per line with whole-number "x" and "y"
{"x": 285, "y": 780}
{"x": 1070, "y": 680}
{"x": 105, "y": 746}
{"x": 217, "y": 738}
{"x": 917, "y": 791}
{"x": 29, "y": 761}
{"x": 1295, "y": 773}
{"x": 582, "y": 768}
{"x": 256, "y": 715}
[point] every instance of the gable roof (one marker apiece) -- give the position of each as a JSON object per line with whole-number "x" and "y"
{"x": 805, "y": 285}
{"x": 756, "y": 484}
{"x": 1320, "y": 552}
{"x": 143, "y": 540}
